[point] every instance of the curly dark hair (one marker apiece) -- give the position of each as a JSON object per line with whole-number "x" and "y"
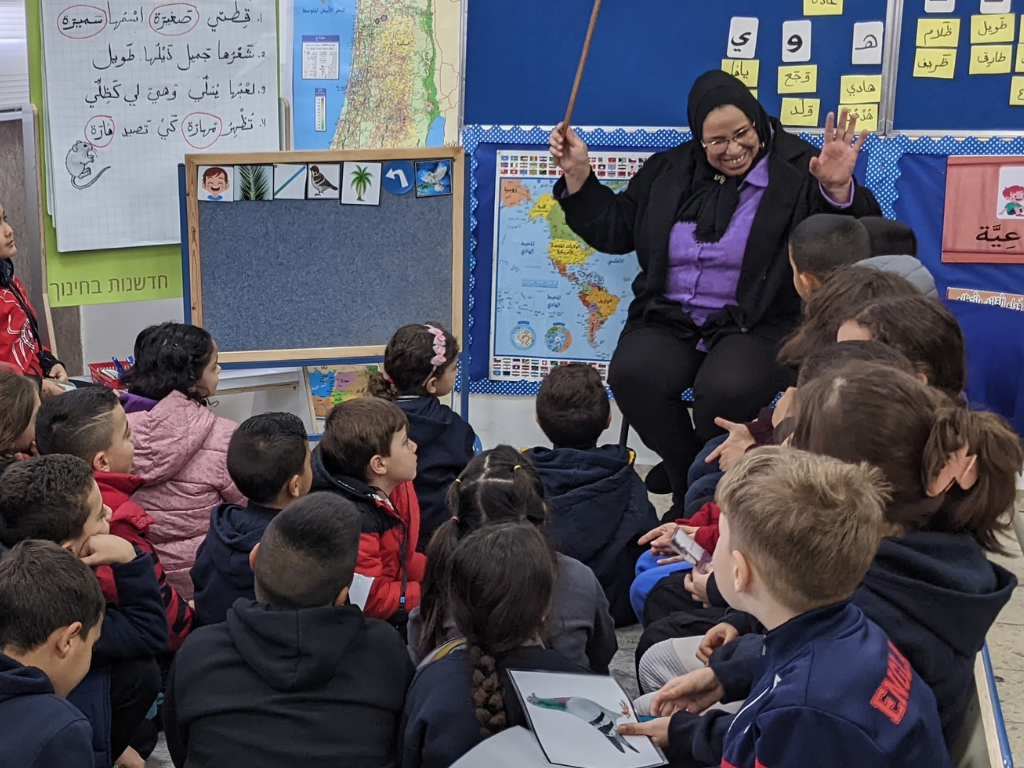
{"x": 407, "y": 361}
{"x": 169, "y": 357}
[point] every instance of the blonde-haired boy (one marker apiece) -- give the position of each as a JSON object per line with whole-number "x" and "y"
{"x": 798, "y": 533}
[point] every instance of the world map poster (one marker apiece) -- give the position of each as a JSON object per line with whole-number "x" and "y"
{"x": 556, "y": 299}
{"x": 376, "y": 73}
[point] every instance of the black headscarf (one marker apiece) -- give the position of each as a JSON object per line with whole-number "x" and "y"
{"x": 714, "y": 196}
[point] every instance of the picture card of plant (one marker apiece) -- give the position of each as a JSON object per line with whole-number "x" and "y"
{"x": 254, "y": 182}
{"x": 360, "y": 184}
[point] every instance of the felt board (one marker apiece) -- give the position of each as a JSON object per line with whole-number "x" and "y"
{"x": 963, "y": 103}
{"x": 291, "y": 280}
{"x": 645, "y": 55}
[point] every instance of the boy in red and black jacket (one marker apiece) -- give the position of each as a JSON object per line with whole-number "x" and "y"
{"x": 366, "y": 455}
{"x": 20, "y": 343}
{"x": 91, "y": 424}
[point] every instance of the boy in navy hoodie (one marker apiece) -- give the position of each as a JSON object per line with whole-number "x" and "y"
{"x": 798, "y": 533}
{"x": 55, "y": 498}
{"x": 599, "y": 505}
{"x": 268, "y": 460}
{"x": 51, "y": 614}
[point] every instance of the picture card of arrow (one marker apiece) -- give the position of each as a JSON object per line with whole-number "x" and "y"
{"x": 130, "y": 88}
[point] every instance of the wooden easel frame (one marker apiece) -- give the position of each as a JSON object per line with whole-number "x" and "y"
{"x": 320, "y": 355}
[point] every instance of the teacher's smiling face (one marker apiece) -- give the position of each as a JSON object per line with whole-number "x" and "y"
{"x": 730, "y": 139}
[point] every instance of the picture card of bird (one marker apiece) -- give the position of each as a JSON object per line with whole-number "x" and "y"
{"x": 576, "y": 719}
{"x": 360, "y": 184}
{"x": 322, "y": 181}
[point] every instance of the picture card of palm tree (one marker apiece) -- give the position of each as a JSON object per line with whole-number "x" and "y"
{"x": 360, "y": 183}
{"x": 254, "y": 182}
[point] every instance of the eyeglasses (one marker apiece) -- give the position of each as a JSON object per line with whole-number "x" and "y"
{"x": 719, "y": 146}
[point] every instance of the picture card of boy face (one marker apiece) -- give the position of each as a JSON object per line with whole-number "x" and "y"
{"x": 216, "y": 183}
{"x": 575, "y": 719}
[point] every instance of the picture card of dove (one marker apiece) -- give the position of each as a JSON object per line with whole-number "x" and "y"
{"x": 254, "y": 182}
{"x": 742, "y": 37}
{"x": 289, "y": 181}
{"x": 796, "y": 40}
{"x": 360, "y": 184}
{"x": 322, "y": 181}
{"x": 575, "y": 719}
{"x": 433, "y": 178}
{"x": 216, "y": 183}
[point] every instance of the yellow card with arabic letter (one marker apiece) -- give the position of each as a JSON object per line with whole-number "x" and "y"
{"x": 823, "y": 7}
{"x": 860, "y": 89}
{"x": 798, "y": 78}
{"x": 1017, "y": 92}
{"x": 993, "y": 28}
{"x": 991, "y": 59}
{"x": 1020, "y": 57}
{"x": 867, "y": 115}
{"x": 800, "y": 112}
{"x": 935, "y": 62}
{"x": 747, "y": 70}
{"x": 938, "y": 33}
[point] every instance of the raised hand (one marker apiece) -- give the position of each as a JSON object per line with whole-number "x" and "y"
{"x": 572, "y": 156}
{"x": 833, "y": 168}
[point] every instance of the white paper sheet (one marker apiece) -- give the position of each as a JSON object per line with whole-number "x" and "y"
{"x": 130, "y": 89}
{"x": 360, "y": 590}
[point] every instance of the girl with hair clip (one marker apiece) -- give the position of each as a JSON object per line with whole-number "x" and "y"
{"x": 19, "y": 404}
{"x": 500, "y": 590}
{"x": 952, "y": 479}
{"x": 180, "y": 444}
{"x": 922, "y": 329}
{"x": 498, "y": 486}
{"x": 420, "y": 364}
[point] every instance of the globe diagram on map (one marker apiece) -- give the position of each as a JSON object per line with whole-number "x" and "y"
{"x": 547, "y": 277}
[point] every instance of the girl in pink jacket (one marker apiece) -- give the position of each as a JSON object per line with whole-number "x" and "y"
{"x": 180, "y": 445}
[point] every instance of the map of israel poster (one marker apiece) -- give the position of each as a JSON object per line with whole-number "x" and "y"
{"x": 556, "y": 299}
{"x": 376, "y": 73}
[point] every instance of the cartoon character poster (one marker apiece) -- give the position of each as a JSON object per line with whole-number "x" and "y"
{"x": 984, "y": 212}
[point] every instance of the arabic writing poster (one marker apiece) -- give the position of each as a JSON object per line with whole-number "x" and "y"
{"x": 130, "y": 89}
{"x": 984, "y": 213}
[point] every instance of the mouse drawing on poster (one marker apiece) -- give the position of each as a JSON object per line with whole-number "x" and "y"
{"x": 79, "y": 162}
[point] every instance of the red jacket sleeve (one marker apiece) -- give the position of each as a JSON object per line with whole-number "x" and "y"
{"x": 706, "y": 523}
{"x": 385, "y": 595}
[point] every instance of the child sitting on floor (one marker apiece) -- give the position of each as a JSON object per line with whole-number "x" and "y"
{"x": 366, "y": 456}
{"x": 501, "y": 485}
{"x": 798, "y": 534}
{"x": 269, "y": 461}
{"x": 299, "y": 675}
{"x": 51, "y": 614}
{"x": 420, "y": 366}
{"x": 91, "y": 424}
{"x": 822, "y": 244}
{"x": 180, "y": 445}
{"x": 598, "y": 504}
{"x": 501, "y": 581}
{"x": 56, "y": 498}
{"x": 19, "y": 404}
{"x": 894, "y": 249}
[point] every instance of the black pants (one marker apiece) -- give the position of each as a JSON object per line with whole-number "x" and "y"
{"x": 652, "y": 367}
{"x": 134, "y": 685}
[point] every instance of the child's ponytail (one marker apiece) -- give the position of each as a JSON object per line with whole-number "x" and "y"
{"x": 382, "y": 386}
{"x": 973, "y": 457}
{"x": 434, "y": 587}
{"x": 488, "y": 693}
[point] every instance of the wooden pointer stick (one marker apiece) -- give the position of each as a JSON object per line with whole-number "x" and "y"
{"x": 582, "y": 66}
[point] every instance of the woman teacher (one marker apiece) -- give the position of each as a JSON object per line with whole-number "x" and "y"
{"x": 710, "y": 223}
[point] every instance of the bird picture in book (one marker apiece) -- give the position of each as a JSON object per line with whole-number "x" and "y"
{"x": 984, "y": 213}
{"x": 133, "y": 88}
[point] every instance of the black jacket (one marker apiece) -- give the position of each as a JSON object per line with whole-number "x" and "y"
{"x": 222, "y": 573}
{"x": 444, "y": 447}
{"x": 39, "y": 729}
{"x": 439, "y": 725}
{"x": 599, "y": 509}
{"x": 641, "y": 219}
{"x": 321, "y": 687}
{"x": 935, "y": 594}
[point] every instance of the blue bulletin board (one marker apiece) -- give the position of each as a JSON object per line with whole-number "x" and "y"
{"x": 950, "y": 98}
{"x": 645, "y": 55}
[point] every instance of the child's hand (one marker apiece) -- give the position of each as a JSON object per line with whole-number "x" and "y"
{"x": 660, "y": 539}
{"x": 735, "y": 445}
{"x": 130, "y": 759}
{"x": 717, "y": 636}
{"x": 696, "y": 584}
{"x": 784, "y": 407}
{"x": 657, "y": 730}
{"x": 693, "y": 692}
{"x": 58, "y": 373}
{"x": 106, "y": 549}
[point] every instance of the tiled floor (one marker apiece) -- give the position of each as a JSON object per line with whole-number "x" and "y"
{"x": 1005, "y": 640}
